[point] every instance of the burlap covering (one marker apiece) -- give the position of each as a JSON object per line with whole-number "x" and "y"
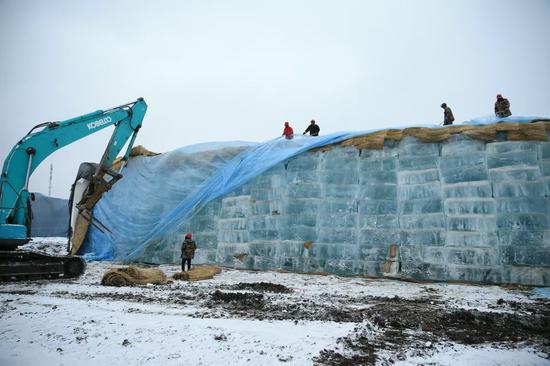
{"x": 140, "y": 150}
{"x": 198, "y": 273}
{"x": 535, "y": 131}
{"x": 133, "y": 276}
{"x": 136, "y": 151}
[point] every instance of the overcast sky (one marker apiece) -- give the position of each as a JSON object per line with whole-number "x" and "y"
{"x": 236, "y": 70}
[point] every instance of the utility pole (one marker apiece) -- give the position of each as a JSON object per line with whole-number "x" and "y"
{"x": 50, "y": 185}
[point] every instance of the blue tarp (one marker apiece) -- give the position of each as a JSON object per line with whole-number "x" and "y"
{"x": 157, "y": 178}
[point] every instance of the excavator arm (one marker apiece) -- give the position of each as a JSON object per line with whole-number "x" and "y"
{"x": 45, "y": 139}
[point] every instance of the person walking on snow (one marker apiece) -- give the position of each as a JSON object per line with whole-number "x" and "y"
{"x": 313, "y": 129}
{"x": 187, "y": 251}
{"x": 288, "y": 132}
{"x": 502, "y": 107}
{"x": 448, "y": 117}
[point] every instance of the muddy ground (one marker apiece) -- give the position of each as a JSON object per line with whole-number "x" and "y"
{"x": 393, "y": 323}
{"x": 387, "y": 328}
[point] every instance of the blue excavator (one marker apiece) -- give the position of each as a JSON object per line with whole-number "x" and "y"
{"x": 41, "y": 141}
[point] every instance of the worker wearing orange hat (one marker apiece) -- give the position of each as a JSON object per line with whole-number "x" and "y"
{"x": 188, "y": 248}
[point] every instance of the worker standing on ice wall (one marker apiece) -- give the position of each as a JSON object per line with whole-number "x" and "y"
{"x": 313, "y": 129}
{"x": 448, "y": 117}
{"x": 502, "y": 107}
{"x": 188, "y": 248}
{"x": 288, "y": 132}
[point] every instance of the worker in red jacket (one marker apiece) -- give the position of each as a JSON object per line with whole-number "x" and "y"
{"x": 288, "y": 132}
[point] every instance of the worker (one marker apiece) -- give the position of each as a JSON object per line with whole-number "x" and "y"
{"x": 288, "y": 132}
{"x": 502, "y": 107}
{"x": 313, "y": 129}
{"x": 448, "y": 117}
{"x": 187, "y": 251}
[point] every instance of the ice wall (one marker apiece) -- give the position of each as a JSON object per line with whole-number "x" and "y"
{"x": 462, "y": 209}
{"x": 458, "y": 210}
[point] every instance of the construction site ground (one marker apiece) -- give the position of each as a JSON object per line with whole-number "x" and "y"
{"x": 269, "y": 318}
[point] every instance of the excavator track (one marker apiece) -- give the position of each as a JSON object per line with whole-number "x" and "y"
{"x": 20, "y": 265}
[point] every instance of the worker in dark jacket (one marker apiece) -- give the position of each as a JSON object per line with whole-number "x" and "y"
{"x": 502, "y": 107}
{"x": 288, "y": 132}
{"x": 448, "y": 117}
{"x": 187, "y": 251}
{"x": 313, "y": 129}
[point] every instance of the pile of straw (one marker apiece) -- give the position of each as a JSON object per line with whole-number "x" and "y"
{"x": 133, "y": 276}
{"x": 139, "y": 150}
{"x": 197, "y": 273}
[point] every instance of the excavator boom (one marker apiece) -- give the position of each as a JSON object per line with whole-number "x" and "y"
{"x": 43, "y": 140}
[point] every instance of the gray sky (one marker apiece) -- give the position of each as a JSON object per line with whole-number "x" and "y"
{"x": 236, "y": 70}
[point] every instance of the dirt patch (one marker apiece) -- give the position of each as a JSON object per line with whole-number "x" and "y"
{"x": 176, "y": 298}
{"x": 339, "y": 309}
{"x": 409, "y": 325}
{"x": 365, "y": 355}
{"x": 238, "y": 300}
{"x": 462, "y": 326}
{"x": 475, "y": 327}
{"x": 18, "y": 292}
{"x": 262, "y": 287}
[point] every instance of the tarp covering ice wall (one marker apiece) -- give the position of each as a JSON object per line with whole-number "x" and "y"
{"x": 155, "y": 227}
{"x": 150, "y": 190}
{"x": 146, "y": 208}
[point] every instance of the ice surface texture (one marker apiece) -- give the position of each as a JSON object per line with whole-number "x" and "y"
{"x": 462, "y": 209}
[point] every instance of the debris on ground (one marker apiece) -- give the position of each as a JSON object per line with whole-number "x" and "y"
{"x": 220, "y": 337}
{"x": 251, "y": 317}
{"x": 262, "y": 287}
{"x": 239, "y": 300}
{"x": 406, "y": 325}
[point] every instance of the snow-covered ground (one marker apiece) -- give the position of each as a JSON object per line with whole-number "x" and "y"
{"x": 79, "y": 321}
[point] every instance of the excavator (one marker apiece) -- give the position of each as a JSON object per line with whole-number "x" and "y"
{"x": 15, "y": 212}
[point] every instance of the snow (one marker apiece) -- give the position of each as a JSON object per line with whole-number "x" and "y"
{"x": 459, "y": 355}
{"x": 51, "y": 245}
{"x": 155, "y": 334}
{"x": 79, "y": 321}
